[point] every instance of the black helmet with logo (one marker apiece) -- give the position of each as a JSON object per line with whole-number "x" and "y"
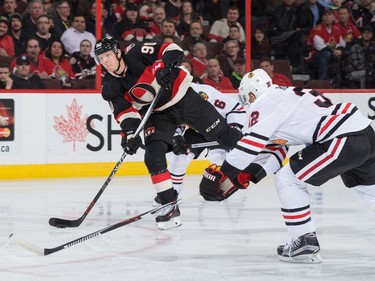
{"x": 108, "y": 43}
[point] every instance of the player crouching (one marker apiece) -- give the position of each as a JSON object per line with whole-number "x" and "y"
{"x": 332, "y": 135}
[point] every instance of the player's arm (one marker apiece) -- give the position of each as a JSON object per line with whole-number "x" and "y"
{"x": 236, "y": 169}
{"x": 125, "y": 115}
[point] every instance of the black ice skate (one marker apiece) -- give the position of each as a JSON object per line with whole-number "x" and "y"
{"x": 303, "y": 250}
{"x": 157, "y": 201}
{"x": 169, "y": 218}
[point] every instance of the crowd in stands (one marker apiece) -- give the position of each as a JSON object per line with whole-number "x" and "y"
{"x": 329, "y": 40}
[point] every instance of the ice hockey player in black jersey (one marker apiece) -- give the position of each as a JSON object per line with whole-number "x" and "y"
{"x": 134, "y": 76}
{"x": 338, "y": 139}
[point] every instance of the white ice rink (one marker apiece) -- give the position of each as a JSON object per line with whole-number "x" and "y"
{"x": 229, "y": 241}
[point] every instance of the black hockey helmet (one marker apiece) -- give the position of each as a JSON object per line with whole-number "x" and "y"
{"x": 108, "y": 43}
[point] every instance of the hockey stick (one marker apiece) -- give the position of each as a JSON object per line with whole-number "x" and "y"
{"x": 47, "y": 251}
{"x": 62, "y": 223}
{"x": 204, "y": 144}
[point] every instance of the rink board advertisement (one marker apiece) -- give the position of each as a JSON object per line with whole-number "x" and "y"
{"x": 79, "y": 128}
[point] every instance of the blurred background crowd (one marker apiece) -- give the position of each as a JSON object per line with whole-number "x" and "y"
{"x": 49, "y": 43}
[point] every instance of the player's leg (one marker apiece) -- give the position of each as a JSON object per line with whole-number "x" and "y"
{"x": 203, "y": 117}
{"x": 313, "y": 165}
{"x": 295, "y": 207}
{"x": 178, "y": 163}
{"x": 158, "y": 139}
{"x": 362, "y": 178}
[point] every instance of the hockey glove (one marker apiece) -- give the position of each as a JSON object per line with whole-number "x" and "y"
{"x": 179, "y": 145}
{"x": 166, "y": 76}
{"x": 216, "y": 186}
{"x": 129, "y": 143}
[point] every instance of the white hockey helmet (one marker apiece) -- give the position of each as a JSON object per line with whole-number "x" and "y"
{"x": 255, "y": 82}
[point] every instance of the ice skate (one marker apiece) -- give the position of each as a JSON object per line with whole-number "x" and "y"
{"x": 303, "y": 250}
{"x": 169, "y": 218}
{"x": 157, "y": 202}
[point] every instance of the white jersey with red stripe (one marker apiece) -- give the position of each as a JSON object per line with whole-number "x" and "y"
{"x": 227, "y": 106}
{"x": 293, "y": 116}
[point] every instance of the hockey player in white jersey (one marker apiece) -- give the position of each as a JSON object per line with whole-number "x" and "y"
{"x": 339, "y": 142}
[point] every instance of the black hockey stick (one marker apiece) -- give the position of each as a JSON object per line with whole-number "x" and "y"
{"x": 47, "y": 251}
{"x": 62, "y": 223}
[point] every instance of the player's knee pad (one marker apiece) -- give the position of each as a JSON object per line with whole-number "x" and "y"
{"x": 155, "y": 156}
{"x": 229, "y": 138}
{"x": 290, "y": 189}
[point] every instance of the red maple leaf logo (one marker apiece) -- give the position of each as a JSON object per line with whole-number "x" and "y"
{"x": 74, "y": 129}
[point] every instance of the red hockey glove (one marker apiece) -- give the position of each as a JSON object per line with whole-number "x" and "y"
{"x": 216, "y": 186}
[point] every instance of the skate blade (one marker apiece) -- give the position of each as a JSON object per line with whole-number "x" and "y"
{"x": 312, "y": 258}
{"x": 174, "y": 222}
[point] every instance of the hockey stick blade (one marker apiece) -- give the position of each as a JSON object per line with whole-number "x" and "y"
{"x": 47, "y": 251}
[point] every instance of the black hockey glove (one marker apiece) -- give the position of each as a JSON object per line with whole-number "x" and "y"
{"x": 180, "y": 146}
{"x": 129, "y": 143}
{"x": 166, "y": 76}
{"x": 215, "y": 186}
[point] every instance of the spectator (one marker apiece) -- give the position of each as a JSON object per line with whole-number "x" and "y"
{"x": 199, "y": 60}
{"x": 361, "y": 60}
{"x": 234, "y": 34}
{"x": 130, "y": 28}
{"x": 108, "y": 21}
{"x": 360, "y": 12}
{"x": 43, "y": 34}
{"x": 73, "y": 36}
{"x": 6, "y": 41}
{"x": 215, "y": 78}
{"x": 239, "y": 70}
{"x": 81, "y": 7}
{"x": 35, "y": 10}
{"x": 9, "y": 8}
{"x": 119, "y": 9}
{"x": 146, "y": 12}
{"x": 226, "y": 59}
{"x": 286, "y": 38}
{"x": 17, "y": 34}
{"x": 260, "y": 45}
{"x": 194, "y": 37}
{"x": 309, "y": 14}
{"x": 328, "y": 47}
{"x": 61, "y": 22}
{"x": 40, "y": 65}
{"x": 157, "y": 21}
{"x": 168, "y": 28}
{"x": 5, "y": 81}
{"x": 336, "y": 5}
{"x": 173, "y": 8}
{"x": 277, "y": 78}
{"x": 220, "y": 28}
{"x": 347, "y": 29}
{"x": 22, "y": 77}
{"x": 83, "y": 64}
{"x": 187, "y": 16}
{"x": 48, "y": 8}
{"x": 189, "y": 66}
{"x": 62, "y": 69}
{"x": 260, "y": 14}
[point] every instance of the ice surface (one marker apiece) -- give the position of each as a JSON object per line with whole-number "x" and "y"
{"x": 229, "y": 241}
